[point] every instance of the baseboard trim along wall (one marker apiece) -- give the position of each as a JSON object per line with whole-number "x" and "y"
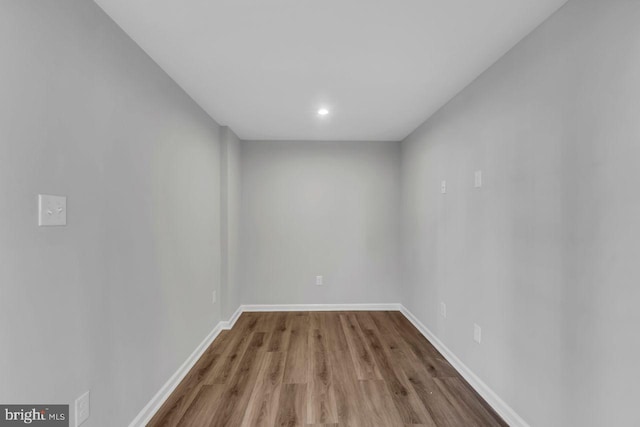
{"x": 154, "y": 405}
{"x": 322, "y": 307}
{"x": 234, "y": 318}
{"x": 499, "y": 405}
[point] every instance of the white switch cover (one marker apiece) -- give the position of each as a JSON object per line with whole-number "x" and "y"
{"x": 319, "y": 280}
{"x": 443, "y": 310}
{"x": 52, "y": 210}
{"x": 478, "y": 179}
{"x": 443, "y": 187}
{"x": 477, "y": 333}
{"x": 214, "y": 297}
{"x": 82, "y": 409}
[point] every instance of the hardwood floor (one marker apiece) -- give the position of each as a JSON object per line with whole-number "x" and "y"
{"x": 343, "y": 369}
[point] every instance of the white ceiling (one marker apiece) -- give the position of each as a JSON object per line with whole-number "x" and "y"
{"x": 264, "y": 67}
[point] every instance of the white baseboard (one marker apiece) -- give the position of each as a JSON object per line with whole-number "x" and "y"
{"x": 163, "y": 394}
{"x": 232, "y": 321}
{"x": 158, "y": 400}
{"x": 322, "y": 307}
{"x": 500, "y": 406}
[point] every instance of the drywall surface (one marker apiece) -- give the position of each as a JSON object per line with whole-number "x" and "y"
{"x": 230, "y": 226}
{"x": 118, "y": 299}
{"x": 320, "y": 208}
{"x": 544, "y": 257}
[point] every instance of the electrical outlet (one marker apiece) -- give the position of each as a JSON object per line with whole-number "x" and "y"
{"x": 52, "y": 210}
{"x": 443, "y": 187}
{"x": 477, "y": 333}
{"x": 214, "y": 297}
{"x": 478, "y": 179}
{"x": 443, "y": 310}
{"x": 319, "y": 281}
{"x": 82, "y": 409}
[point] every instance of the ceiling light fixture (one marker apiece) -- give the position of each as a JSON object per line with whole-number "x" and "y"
{"x": 323, "y": 112}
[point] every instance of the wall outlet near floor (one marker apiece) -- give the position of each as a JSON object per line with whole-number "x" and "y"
{"x": 478, "y": 179}
{"x": 214, "y": 297}
{"x": 443, "y": 187}
{"x": 477, "y": 333}
{"x": 319, "y": 281}
{"x": 443, "y": 310}
{"x": 82, "y": 409}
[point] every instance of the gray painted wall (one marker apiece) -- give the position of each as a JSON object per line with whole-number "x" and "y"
{"x": 542, "y": 257}
{"x": 230, "y": 222}
{"x": 116, "y": 301}
{"x": 545, "y": 256}
{"x": 320, "y": 208}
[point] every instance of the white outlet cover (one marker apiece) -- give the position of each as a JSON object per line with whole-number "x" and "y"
{"x": 319, "y": 280}
{"x": 478, "y": 179}
{"x": 52, "y": 210}
{"x": 82, "y": 409}
{"x": 443, "y": 187}
{"x": 477, "y": 333}
{"x": 443, "y": 310}
{"x": 214, "y": 297}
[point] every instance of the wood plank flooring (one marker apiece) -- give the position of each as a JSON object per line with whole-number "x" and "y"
{"x": 361, "y": 369}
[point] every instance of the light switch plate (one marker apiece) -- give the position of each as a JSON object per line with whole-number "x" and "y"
{"x": 443, "y": 187}
{"x": 319, "y": 280}
{"x": 52, "y": 210}
{"x": 82, "y": 409}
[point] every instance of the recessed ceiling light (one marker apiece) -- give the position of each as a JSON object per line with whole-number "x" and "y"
{"x": 323, "y": 112}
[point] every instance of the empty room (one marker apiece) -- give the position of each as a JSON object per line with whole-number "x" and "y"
{"x": 338, "y": 213}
